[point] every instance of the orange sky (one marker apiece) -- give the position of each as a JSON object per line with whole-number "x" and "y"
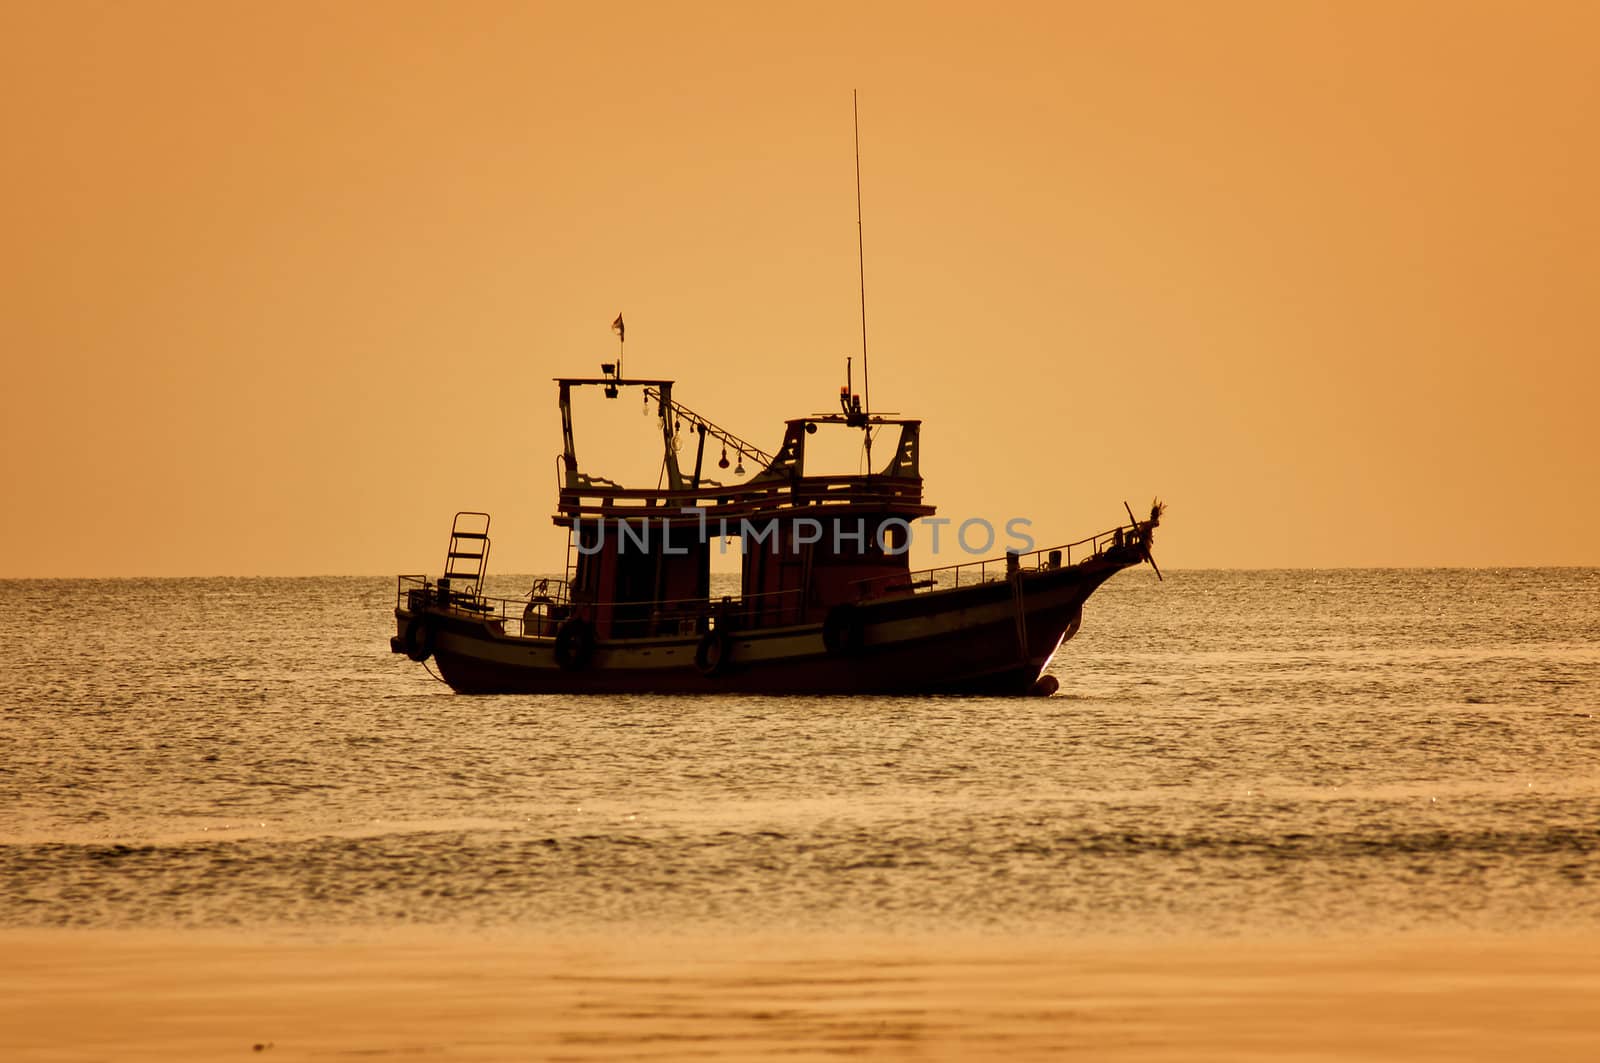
{"x": 284, "y": 284}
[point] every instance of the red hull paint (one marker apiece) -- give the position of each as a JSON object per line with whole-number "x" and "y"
{"x": 965, "y": 640}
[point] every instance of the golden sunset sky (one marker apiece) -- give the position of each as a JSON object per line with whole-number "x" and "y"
{"x": 284, "y": 284}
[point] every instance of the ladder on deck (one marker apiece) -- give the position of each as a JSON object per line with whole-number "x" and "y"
{"x": 468, "y": 555}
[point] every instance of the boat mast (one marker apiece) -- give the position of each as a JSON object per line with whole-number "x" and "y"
{"x": 861, "y": 269}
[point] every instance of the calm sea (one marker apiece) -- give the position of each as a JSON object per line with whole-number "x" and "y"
{"x": 1231, "y": 752}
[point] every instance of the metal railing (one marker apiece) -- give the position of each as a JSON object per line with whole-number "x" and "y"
{"x": 548, "y": 604}
{"x": 773, "y": 497}
{"x": 988, "y": 570}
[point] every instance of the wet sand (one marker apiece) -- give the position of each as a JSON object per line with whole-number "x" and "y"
{"x": 130, "y": 996}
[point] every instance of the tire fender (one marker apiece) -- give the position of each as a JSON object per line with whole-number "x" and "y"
{"x": 419, "y": 639}
{"x": 841, "y": 629}
{"x": 574, "y": 645}
{"x": 712, "y": 654}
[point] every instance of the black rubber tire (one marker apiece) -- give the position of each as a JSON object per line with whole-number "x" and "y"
{"x": 712, "y": 654}
{"x": 419, "y": 639}
{"x": 841, "y": 630}
{"x": 574, "y": 645}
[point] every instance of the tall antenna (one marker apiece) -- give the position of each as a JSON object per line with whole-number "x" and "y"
{"x": 861, "y": 266}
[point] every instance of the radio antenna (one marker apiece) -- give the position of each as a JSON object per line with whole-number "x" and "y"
{"x": 861, "y": 268}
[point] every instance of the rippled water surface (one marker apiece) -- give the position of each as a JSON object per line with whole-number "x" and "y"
{"x": 1230, "y": 752}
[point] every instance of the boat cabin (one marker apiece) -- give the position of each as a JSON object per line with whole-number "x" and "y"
{"x": 639, "y": 558}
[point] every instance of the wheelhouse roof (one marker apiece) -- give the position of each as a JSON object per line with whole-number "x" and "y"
{"x": 613, "y": 381}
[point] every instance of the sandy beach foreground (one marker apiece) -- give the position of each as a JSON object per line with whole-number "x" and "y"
{"x": 135, "y": 995}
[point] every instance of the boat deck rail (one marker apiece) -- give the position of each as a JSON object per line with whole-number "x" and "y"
{"x": 597, "y": 497}
{"x": 548, "y": 600}
{"x": 543, "y": 610}
{"x": 989, "y": 570}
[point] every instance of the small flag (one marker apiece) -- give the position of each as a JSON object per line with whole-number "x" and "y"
{"x": 617, "y": 327}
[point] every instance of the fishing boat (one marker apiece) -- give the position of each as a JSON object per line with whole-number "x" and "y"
{"x": 827, "y": 602}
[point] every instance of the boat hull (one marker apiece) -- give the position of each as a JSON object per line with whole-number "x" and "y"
{"x": 991, "y": 638}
